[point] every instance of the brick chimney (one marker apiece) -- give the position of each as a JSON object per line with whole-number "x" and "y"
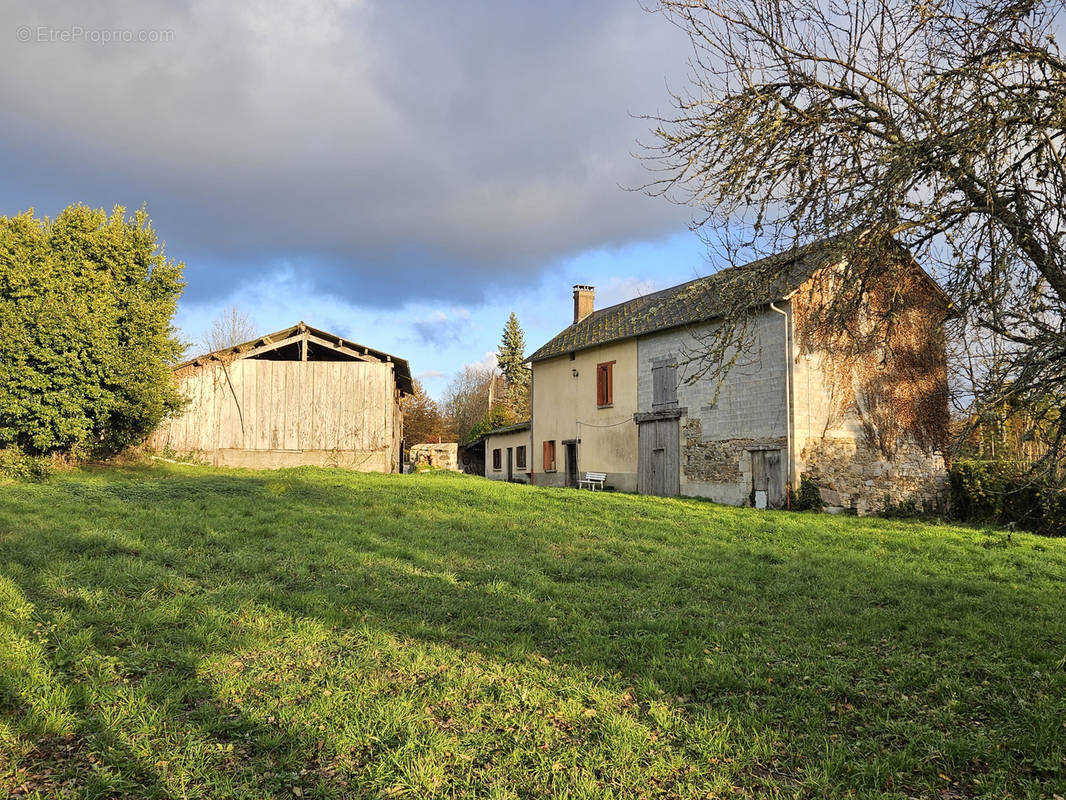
{"x": 584, "y": 298}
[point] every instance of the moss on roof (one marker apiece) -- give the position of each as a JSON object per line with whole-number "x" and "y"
{"x": 699, "y": 300}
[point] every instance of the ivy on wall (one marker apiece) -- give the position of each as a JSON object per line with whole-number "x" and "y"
{"x": 886, "y": 345}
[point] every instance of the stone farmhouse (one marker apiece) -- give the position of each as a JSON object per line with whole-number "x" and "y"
{"x": 620, "y": 391}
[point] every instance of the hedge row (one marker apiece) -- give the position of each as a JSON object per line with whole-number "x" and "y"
{"x": 1001, "y": 493}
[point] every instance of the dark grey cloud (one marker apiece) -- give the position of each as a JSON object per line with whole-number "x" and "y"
{"x": 389, "y": 150}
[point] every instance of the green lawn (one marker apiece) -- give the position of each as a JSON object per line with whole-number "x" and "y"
{"x": 189, "y": 632}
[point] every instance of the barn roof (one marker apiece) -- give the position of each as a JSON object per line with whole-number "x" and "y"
{"x": 703, "y": 299}
{"x": 284, "y": 345}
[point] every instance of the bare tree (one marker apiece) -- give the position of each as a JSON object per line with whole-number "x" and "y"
{"x": 940, "y": 124}
{"x": 467, "y": 402}
{"x": 231, "y": 327}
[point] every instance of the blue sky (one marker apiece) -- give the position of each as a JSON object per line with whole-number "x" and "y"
{"x": 439, "y": 338}
{"x": 404, "y": 174}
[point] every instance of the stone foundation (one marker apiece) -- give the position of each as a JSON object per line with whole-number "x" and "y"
{"x": 719, "y": 468}
{"x": 851, "y": 474}
{"x": 718, "y": 460}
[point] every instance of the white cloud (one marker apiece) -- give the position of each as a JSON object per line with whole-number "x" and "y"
{"x": 488, "y": 361}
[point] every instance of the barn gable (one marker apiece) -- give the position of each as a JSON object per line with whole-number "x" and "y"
{"x": 301, "y": 342}
{"x": 299, "y": 396}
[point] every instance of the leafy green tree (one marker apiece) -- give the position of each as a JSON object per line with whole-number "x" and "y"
{"x": 86, "y": 340}
{"x": 496, "y": 417}
{"x": 510, "y": 358}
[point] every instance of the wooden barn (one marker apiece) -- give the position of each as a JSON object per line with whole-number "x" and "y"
{"x": 299, "y": 396}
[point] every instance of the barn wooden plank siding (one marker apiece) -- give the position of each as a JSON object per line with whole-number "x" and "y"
{"x": 315, "y": 400}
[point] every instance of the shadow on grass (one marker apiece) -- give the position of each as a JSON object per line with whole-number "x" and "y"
{"x": 758, "y": 619}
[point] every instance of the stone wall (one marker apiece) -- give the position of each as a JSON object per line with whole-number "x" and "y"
{"x": 850, "y": 473}
{"x": 719, "y": 460}
{"x": 440, "y": 456}
{"x": 720, "y": 468}
{"x": 750, "y": 413}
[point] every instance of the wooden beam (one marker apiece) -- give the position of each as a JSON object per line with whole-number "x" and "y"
{"x": 268, "y": 347}
{"x": 341, "y": 348}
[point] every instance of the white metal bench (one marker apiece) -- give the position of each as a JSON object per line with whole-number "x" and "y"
{"x": 592, "y": 480}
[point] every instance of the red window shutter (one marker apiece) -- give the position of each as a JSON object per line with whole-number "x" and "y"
{"x": 604, "y": 384}
{"x": 549, "y": 455}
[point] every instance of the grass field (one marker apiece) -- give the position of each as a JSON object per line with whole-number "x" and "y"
{"x": 188, "y": 632}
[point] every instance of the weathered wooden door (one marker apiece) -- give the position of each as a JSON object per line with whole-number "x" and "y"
{"x": 658, "y": 465}
{"x": 571, "y": 464}
{"x": 510, "y": 463}
{"x": 766, "y": 478}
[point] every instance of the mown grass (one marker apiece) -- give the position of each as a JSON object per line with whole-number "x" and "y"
{"x": 188, "y": 632}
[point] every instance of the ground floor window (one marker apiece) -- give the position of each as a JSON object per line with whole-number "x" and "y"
{"x": 520, "y": 457}
{"x": 496, "y": 460}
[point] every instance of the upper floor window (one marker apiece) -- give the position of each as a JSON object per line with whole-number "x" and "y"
{"x": 605, "y": 384}
{"x": 664, "y": 383}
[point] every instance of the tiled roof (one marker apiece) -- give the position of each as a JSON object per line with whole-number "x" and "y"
{"x": 518, "y": 426}
{"x": 700, "y": 300}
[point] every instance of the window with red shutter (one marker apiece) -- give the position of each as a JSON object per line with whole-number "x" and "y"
{"x": 549, "y": 455}
{"x": 605, "y": 384}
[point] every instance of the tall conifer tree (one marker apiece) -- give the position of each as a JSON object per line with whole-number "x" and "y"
{"x": 511, "y": 360}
